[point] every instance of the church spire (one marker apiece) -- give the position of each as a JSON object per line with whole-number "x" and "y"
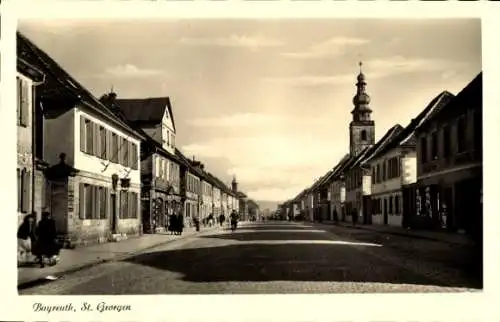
{"x": 234, "y": 184}
{"x": 361, "y": 100}
{"x": 362, "y": 127}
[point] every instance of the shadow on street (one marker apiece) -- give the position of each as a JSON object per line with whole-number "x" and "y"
{"x": 268, "y": 235}
{"x": 287, "y": 261}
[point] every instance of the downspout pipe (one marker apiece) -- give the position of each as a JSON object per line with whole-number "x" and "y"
{"x": 33, "y": 140}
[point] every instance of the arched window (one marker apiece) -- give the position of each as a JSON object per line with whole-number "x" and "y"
{"x": 363, "y": 135}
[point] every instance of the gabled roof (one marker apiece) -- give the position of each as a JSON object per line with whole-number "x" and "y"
{"x": 219, "y": 184}
{"x": 368, "y": 152}
{"x": 344, "y": 166}
{"x": 357, "y": 160}
{"x": 407, "y": 136}
{"x": 59, "y": 84}
{"x": 158, "y": 148}
{"x": 146, "y": 110}
{"x": 318, "y": 182}
{"x": 470, "y": 96}
{"x": 29, "y": 70}
{"x": 392, "y": 133}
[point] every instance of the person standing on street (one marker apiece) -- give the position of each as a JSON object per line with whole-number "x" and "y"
{"x": 26, "y": 238}
{"x": 47, "y": 245}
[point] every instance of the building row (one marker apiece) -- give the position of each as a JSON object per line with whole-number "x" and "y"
{"x": 425, "y": 175}
{"x": 105, "y": 167}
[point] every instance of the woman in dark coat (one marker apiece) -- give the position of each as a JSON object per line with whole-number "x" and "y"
{"x": 171, "y": 224}
{"x": 46, "y": 238}
{"x": 180, "y": 224}
{"x": 26, "y": 237}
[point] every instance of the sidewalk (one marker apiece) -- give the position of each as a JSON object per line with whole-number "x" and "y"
{"x": 445, "y": 237}
{"x": 73, "y": 260}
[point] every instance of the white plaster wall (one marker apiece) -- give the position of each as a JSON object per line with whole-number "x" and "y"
{"x": 168, "y": 130}
{"x": 60, "y": 138}
{"x": 24, "y": 143}
{"x": 394, "y": 219}
{"x": 366, "y": 185}
{"x": 85, "y": 162}
{"x": 409, "y": 168}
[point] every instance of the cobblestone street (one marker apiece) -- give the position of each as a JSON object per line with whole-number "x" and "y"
{"x": 277, "y": 257}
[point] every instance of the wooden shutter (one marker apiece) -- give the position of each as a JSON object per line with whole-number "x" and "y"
{"x": 19, "y": 99}
{"x": 130, "y": 154}
{"x": 119, "y": 150}
{"x": 24, "y": 103}
{"x": 133, "y": 156}
{"x": 108, "y": 144}
{"x": 121, "y": 203}
{"x": 131, "y": 206}
{"x": 83, "y": 136}
{"x": 95, "y": 202}
{"x": 19, "y": 190}
{"x": 81, "y": 198}
{"x": 26, "y": 191}
{"x": 95, "y": 131}
{"x": 105, "y": 199}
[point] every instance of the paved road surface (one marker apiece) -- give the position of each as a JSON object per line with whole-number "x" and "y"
{"x": 274, "y": 257}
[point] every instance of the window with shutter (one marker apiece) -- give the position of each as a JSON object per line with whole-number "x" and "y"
{"x": 120, "y": 150}
{"x": 19, "y": 99}
{"x": 135, "y": 158}
{"x": 130, "y": 201}
{"x": 95, "y": 202}
{"x": 102, "y": 142}
{"x": 19, "y": 190}
{"x": 106, "y": 198}
{"x": 131, "y": 154}
{"x": 108, "y": 145}
{"x": 96, "y": 141}
{"x": 83, "y": 137}
{"x": 125, "y": 147}
{"x": 114, "y": 156}
{"x": 124, "y": 205}
{"x": 88, "y": 201}
{"x": 26, "y": 178}
{"x": 81, "y": 198}
{"x": 89, "y": 137}
{"x": 24, "y": 103}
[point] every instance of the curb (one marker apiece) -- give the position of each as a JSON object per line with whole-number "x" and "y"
{"x": 71, "y": 270}
{"x": 415, "y": 236}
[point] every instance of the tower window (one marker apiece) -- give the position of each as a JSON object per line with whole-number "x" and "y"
{"x": 363, "y": 135}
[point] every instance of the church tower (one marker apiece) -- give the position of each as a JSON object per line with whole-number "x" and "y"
{"x": 362, "y": 127}
{"x": 234, "y": 185}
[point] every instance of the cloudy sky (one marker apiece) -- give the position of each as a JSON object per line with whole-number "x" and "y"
{"x": 268, "y": 100}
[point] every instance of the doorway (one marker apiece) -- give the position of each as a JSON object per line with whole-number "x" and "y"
{"x": 113, "y": 213}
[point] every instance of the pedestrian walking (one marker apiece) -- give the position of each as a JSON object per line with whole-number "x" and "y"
{"x": 335, "y": 216}
{"x": 172, "y": 224}
{"x": 222, "y": 218}
{"x": 354, "y": 217}
{"x": 26, "y": 238}
{"x": 46, "y": 244}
